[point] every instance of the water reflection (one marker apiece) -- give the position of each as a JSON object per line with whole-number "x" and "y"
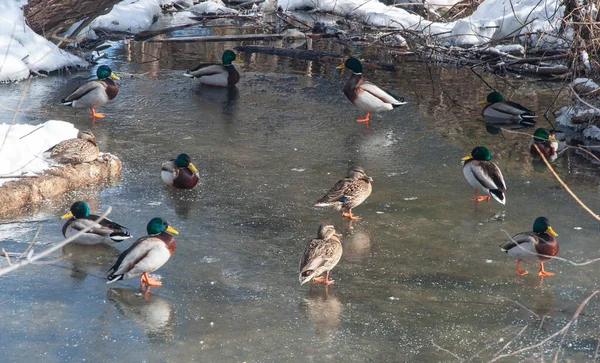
{"x": 225, "y": 98}
{"x": 357, "y": 245}
{"x": 151, "y": 312}
{"x": 184, "y": 202}
{"x": 323, "y": 310}
{"x": 88, "y": 260}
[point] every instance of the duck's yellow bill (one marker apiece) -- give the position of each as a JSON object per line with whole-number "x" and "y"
{"x": 468, "y": 157}
{"x": 551, "y": 138}
{"x": 68, "y": 215}
{"x": 341, "y": 66}
{"x": 172, "y": 230}
{"x": 192, "y": 168}
{"x": 238, "y": 59}
{"x": 482, "y": 102}
{"x": 551, "y": 231}
{"x": 114, "y": 76}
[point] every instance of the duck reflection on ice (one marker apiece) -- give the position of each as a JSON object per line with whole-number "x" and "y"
{"x": 151, "y": 312}
{"x": 185, "y": 202}
{"x": 323, "y": 310}
{"x": 88, "y": 260}
{"x": 357, "y": 245}
{"x": 226, "y": 97}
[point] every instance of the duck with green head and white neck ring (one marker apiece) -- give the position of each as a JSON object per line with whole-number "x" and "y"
{"x": 219, "y": 75}
{"x": 180, "y": 172}
{"x": 94, "y": 93}
{"x": 500, "y": 112}
{"x": 105, "y": 231}
{"x": 365, "y": 95}
{"x": 484, "y": 175}
{"x": 537, "y": 246}
{"x": 546, "y": 142}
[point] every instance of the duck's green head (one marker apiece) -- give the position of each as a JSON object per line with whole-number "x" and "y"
{"x": 493, "y": 97}
{"x": 352, "y": 64}
{"x": 104, "y": 72}
{"x": 228, "y": 57}
{"x": 479, "y": 153}
{"x": 78, "y": 210}
{"x": 184, "y": 161}
{"x": 543, "y": 134}
{"x": 542, "y": 225}
{"x": 158, "y": 225}
{"x": 326, "y": 231}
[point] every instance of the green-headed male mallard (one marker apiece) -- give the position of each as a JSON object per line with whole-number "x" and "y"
{"x": 145, "y": 255}
{"x": 94, "y": 93}
{"x": 348, "y": 193}
{"x": 366, "y": 95}
{"x": 180, "y": 172}
{"x": 500, "y": 112}
{"x": 83, "y": 149}
{"x": 105, "y": 231}
{"x": 546, "y": 142}
{"x": 321, "y": 254}
{"x": 529, "y": 246}
{"x": 484, "y": 175}
{"x": 213, "y": 74}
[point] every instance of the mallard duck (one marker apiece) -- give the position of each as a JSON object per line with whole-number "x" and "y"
{"x": 484, "y": 175}
{"x": 546, "y": 142}
{"x": 94, "y": 93}
{"x": 528, "y": 246}
{"x": 500, "y": 112}
{"x": 366, "y": 95}
{"x": 348, "y": 193}
{"x": 83, "y": 149}
{"x": 105, "y": 231}
{"x": 145, "y": 255}
{"x": 180, "y": 172}
{"x": 321, "y": 254}
{"x": 213, "y": 74}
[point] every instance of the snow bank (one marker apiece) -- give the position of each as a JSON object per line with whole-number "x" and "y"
{"x": 211, "y": 7}
{"x": 22, "y": 154}
{"x": 22, "y": 50}
{"x": 129, "y": 16}
{"x": 493, "y": 19}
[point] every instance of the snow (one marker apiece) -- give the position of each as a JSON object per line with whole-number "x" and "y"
{"x": 129, "y": 16}
{"x": 211, "y": 7}
{"x": 22, "y": 154}
{"x": 22, "y": 50}
{"x": 493, "y": 19}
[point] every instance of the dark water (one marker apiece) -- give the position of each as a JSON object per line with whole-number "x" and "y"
{"x": 422, "y": 268}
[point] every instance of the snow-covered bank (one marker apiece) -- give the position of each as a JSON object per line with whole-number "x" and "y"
{"x": 23, "y": 51}
{"x": 493, "y": 19}
{"x": 583, "y": 115}
{"x": 21, "y": 154}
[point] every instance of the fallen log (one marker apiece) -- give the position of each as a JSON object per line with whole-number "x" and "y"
{"x": 147, "y": 34}
{"x": 220, "y": 38}
{"x": 57, "y": 181}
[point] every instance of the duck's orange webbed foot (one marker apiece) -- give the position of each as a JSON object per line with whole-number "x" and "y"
{"x": 152, "y": 281}
{"x": 318, "y": 280}
{"x": 543, "y": 272}
{"x": 96, "y": 114}
{"x": 349, "y": 215}
{"x": 365, "y": 119}
{"x": 519, "y": 271}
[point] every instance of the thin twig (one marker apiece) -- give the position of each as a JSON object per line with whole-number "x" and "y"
{"x": 45, "y": 253}
{"x": 513, "y": 339}
{"x": 6, "y": 255}
{"x": 37, "y": 233}
{"x": 446, "y": 350}
{"x": 562, "y": 330}
{"x": 565, "y": 185}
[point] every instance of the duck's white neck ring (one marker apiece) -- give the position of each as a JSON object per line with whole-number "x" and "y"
{"x": 227, "y": 65}
{"x": 358, "y": 74}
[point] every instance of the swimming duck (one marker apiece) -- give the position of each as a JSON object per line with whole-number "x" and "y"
{"x": 546, "y": 142}
{"x": 348, "y": 193}
{"x": 94, "y": 93}
{"x": 83, "y": 149}
{"x": 528, "y": 246}
{"x": 105, "y": 231}
{"x": 213, "y": 74}
{"x": 484, "y": 175}
{"x": 366, "y": 95}
{"x": 180, "y": 172}
{"x": 145, "y": 255}
{"x": 321, "y": 254}
{"x": 500, "y": 112}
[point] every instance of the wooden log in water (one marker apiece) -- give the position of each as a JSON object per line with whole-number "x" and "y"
{"x": 147, "y": 34}
{"x": 220, "y": 38}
